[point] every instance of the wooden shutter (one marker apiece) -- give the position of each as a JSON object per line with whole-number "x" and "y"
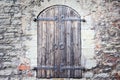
{"x": 59, "y": 43}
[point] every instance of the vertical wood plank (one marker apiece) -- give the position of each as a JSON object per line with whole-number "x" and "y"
{"x": 50, "y": 39}
{"x": 68, "y": 43}
{"x": 72, "y": 43}
{"x": 65, "y": 50}
{"x": 79, "y": 46}
{"x": 77, "y": 49}
{"x": 47, "y": 44}
{"x": 63, "y": 40}
{"x": 40, "y": 40}
{"x": 57, "y": 55}
{"x": 52, "y": 23}
{"x": 43, "y": 55}
{"x": 72, "y": 51}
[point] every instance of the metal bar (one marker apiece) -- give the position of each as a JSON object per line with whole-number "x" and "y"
{"x": 45, "y": 67}
{"x": 73, "y": 19}
{"x": 62, "y": 68}
{"x": 72, "y": 68}
{"x": 63, "y": 19}
{"x": 46, "y": 19}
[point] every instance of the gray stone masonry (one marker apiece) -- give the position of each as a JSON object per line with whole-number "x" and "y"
{"x": 17, "y": 27}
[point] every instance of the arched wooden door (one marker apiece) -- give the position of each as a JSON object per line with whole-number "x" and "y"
{"x": 59, "y": 43}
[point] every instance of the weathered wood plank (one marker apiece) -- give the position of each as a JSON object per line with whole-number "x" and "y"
{"x": 68, "y": 48}
{"x": 57, "y": 55}
{"x": 39, "y": 56}
{"x": 44, "y": 42}
{"x": 50, "y": 36}
{"x": 77, "y": 49}
{"x": 79, "y": 46}
{"x": 47, "y": 45}
{"x": 68, "y": 38}
{"x": 59, "y": 43}
{"x": 72, "y": 44}
{"x": 52, "y": 23}
{"x": 63, "y": 40}
{"x": 72, "y": 51}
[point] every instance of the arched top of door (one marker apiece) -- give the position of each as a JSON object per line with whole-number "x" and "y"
{"x": 59, "y": 13}
{"x": 59, "y": 6}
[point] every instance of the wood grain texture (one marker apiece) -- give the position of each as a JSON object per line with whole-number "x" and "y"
{"x": 59, "y": 43}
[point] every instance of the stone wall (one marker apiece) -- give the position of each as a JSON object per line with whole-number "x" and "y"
{"x": 107, "y": 36}
{"x": 100, "y": 37}
{"x": 12, "y": 37}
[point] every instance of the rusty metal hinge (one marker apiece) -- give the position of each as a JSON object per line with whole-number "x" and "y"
{"x": 62, "y": 19}
{"x": 61, "y": 68}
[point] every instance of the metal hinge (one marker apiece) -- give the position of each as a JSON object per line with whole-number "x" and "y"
{"x": 62, "y": 19}
{"x": 45, "y": 19}
{"x": 61, "y": 68}
{"x": 73, "y": 19}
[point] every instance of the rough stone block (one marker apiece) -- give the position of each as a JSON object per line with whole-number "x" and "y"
{"x": 2, "y": 30}
{"x": 17, "y": 34}
{"x": 1, "y": 54}
{"x": 1, "y": 36}
{"x": 5, "y": 41}
{"x": 106, "y": 69}
{"x": 1, "y": 8}
{"x": 88, "y": 75}
{"x": 11, "y": 30}
{"x": 6, "y": 8}
{"x": 9, "y": 35}
{"x": 9, "y": 1}
{"x": 16, "y": 9}
{"x": 6, "y": 72}
{"x": 18, "y": 15}
{"x": 6, "y": 47}
{"x": 4, "y": 21}
{"x": 6, "y": 78}
{"x": 4, "y": 16}
{"x": 7, "y": 64}
{"x": 118, "y": 67}
{"x": 11, "y": 9}
{"x": 16, "y": 21}
{"x": 89, "y": 64}
{"x": 102, "y": 75}
{"x": 15, "y": 40}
